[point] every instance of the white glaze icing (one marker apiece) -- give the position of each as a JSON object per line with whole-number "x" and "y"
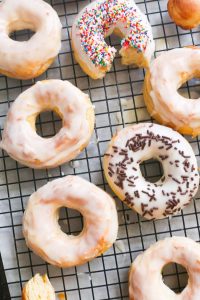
{"x": 145, "y": 278}
{"x": 167, "y": 73}
{"x": 44, "y": 45}
{"x": 122, "y": 26}
{"x": 22, "y": 142}
{"x": 42, "y": 231}
{"x": 138, "y": 143}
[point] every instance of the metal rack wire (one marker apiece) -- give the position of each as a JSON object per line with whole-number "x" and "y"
{"x": 118, "y": 102}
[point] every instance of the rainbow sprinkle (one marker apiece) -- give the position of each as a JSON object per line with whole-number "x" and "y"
{"x": 96, "y": 22}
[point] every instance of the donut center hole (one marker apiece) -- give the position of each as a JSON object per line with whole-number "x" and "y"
{"x": 21, "y": 35}
{"x": 190, "y": 89}
{"x": 152, "y": 170}
{"x": 70, "y": 221}
{"x": 48, "y": 124}
{"x": 114, "y": 39}
{"x": 21, "y": 30}
{"x": 175, "y": 276}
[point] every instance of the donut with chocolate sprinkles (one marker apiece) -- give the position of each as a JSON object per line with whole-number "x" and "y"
{"x": 137, "y": 143}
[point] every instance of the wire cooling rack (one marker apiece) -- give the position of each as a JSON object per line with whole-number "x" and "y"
{"x": 118, "y": 102}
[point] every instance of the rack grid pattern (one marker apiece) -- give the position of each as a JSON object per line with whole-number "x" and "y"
{"x": 118, "y": 102}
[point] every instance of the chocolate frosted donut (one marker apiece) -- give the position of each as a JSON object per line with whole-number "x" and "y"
{"x": 174, "y": 190}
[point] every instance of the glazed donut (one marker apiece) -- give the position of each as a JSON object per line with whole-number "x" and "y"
{"x": 42, "y": 231}
{"x": 20, "y": 139}
{"x": 149, "y": 265}
{"x": 38, "y": 288}
{"x": 28, "y": 59}
{"x": 185, "y": 13}
{"x": 135, "y": 144}
{"x": 100, "y": 19}
{"x": 166, "y": 74}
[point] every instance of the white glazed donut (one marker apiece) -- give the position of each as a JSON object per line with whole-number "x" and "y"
{"x": 42, "y": 231}
{"x": 145, "y": 278}
{"x": 22, "y": 142}
{"x": 135, "y": 144}
{"x": 99, "y": 20}
{"x": 166, "y": 75}
{"x": 28, "y": 59}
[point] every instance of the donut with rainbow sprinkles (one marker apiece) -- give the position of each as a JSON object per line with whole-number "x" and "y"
{"x": 99, "y": 20}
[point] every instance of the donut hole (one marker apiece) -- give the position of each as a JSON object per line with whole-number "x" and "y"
{"x": 21, "y": 31}
{"x": 48, "y": 124}
{"x": 152, "y": 170}
{"x": 190, "y": 89}
{"x": 114, "y": 40}
{"x": 21, "y": 35}
{"x": 175, "y": 276}
{"x": 70, "y": 221}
